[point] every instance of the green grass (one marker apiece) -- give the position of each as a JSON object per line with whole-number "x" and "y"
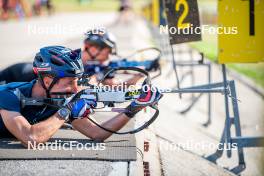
{"x": 86, "y": 5}
{"x": 209, "y": 47}
{"x": 253, "y": 71}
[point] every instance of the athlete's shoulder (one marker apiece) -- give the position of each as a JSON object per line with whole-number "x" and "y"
{"x": 13, "y": 85}
{"x": 8, "y": 99}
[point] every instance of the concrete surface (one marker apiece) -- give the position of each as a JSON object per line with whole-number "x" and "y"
{"x": 72, "y": 145}
{"x": 56, "y": 168}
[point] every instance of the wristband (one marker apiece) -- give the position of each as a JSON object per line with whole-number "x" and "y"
{"x": 132, "y": 111}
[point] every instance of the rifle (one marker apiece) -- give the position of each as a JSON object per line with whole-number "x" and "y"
{"x": 151, "y": 60}
{"x": 111, "y": 97}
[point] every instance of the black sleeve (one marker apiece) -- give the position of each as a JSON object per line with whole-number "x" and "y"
{"x": 21, "y": 72}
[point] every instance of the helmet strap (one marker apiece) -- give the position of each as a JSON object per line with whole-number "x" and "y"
{"x": 54, "y": 81}
{"x": 47, "y": 89}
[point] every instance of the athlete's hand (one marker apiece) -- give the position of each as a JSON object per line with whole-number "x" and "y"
{"x": 81, "y": 108}
{"x": 154, "y": 65}
{"x": 150, "y": 96}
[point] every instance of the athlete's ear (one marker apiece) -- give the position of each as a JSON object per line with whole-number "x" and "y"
{"x": 47, "y": 80}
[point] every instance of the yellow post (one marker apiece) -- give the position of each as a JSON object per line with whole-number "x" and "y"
{"x": 242, "y": 20}
{"x": 155, "y": 12}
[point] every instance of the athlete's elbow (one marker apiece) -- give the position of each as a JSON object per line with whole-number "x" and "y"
{"x": 32, "y": 140}
{"x": 35, "y": 138}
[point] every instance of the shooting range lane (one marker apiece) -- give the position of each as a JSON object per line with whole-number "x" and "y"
{"x": 120, "y": 150}
{"x": 117, "y": 148}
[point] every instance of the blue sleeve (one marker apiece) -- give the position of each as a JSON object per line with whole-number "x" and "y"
{"x": 9, "y": 101}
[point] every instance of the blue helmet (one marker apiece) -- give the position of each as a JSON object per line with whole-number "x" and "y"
{"x": 58, "y": 62}
{"x": 101, "y": 38}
